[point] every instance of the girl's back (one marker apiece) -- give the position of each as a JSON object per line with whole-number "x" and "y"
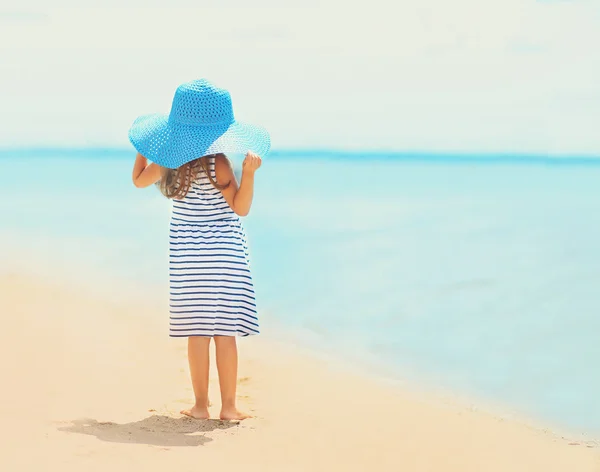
{"x": 203, "y": 201}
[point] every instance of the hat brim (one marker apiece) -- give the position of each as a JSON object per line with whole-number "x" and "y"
{"x": 171, "y": 144}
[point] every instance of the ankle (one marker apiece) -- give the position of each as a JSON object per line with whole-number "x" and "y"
{"x": 201, "y": 404}
{"x": 228, "y": 405}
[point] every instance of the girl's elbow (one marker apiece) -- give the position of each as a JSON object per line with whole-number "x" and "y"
{"x": 138, "y": 183}
{"x": 242, "y": 212}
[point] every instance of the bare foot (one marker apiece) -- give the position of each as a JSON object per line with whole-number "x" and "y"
{"x": 197, "y": 412}
{"x": 233, "y": 414}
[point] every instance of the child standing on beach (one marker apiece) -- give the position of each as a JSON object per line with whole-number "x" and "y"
{"x": 211, "y": 289}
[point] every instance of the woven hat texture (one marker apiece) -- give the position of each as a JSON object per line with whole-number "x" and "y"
{"x": 201, "y": 122}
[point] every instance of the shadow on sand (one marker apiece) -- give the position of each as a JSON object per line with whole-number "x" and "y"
{"x": 155, "y": 430}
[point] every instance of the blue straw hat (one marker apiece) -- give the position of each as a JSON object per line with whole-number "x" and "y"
{"x": 201, "y": 122}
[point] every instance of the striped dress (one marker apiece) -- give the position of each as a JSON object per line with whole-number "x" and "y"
{"x": 211, "y": 290}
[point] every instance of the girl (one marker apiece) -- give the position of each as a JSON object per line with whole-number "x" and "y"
{"x": 211, "y": 290}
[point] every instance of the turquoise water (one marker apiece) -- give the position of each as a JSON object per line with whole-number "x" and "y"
{"x": 479, "y": 275}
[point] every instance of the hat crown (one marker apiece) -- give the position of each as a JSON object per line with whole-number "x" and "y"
{"x": 201, "y": 103}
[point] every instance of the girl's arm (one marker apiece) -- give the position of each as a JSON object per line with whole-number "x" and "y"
{"x": 238, "y": 198}
{"x": 145, "y": 175}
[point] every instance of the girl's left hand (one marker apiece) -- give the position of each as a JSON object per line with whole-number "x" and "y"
{"x": 251, "y": 163}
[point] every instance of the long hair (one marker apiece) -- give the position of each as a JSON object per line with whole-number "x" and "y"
{"x": 176, "y": 183}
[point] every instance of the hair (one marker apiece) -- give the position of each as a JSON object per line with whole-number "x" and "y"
{"x": 176, "y": 183}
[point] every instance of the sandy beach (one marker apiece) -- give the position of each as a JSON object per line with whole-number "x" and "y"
{"x": 91, "y": 385}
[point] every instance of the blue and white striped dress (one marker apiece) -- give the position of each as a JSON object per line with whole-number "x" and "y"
{"x": 211, "y": 289}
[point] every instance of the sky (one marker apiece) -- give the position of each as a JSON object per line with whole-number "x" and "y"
{"x": 429, "y": 75}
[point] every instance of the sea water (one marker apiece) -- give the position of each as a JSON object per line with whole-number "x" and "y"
{"x": 480, "y": 273}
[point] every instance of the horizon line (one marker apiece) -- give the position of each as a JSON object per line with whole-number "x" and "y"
{"x": 333, "y": 152}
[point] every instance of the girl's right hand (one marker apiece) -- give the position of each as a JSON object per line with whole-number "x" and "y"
{"x": 251, "y": 163}
{"x": 145, "y": 174}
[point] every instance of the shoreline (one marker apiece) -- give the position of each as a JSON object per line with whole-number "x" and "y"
{"x": 388, "y": 376}
{"x": 102, "y": 384}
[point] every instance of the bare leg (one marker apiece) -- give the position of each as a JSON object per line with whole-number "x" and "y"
{"x": 227, "y": 364}
{"x": 198, "y": 358}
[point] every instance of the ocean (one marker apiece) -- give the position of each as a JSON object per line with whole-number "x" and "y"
{"x": 478, "y": 274}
